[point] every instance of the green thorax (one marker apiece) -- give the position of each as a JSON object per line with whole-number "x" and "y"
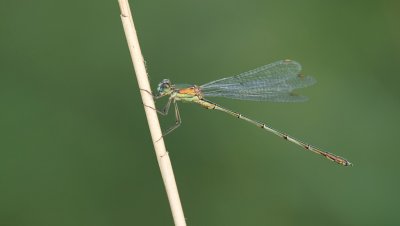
{"x": 187, "y": 93}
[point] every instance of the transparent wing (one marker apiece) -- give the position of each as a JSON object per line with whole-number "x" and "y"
{"x": 271, "y": 82}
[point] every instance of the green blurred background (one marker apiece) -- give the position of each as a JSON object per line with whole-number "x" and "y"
{"x": 75, "y": 146}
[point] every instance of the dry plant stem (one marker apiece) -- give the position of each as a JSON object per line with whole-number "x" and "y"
{"x": 155, "y": 130}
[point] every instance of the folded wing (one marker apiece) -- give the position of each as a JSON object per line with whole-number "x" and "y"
{"x": 272, "y": 82}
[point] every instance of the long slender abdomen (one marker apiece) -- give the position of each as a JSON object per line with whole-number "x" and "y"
{"x": 210, "y": 105}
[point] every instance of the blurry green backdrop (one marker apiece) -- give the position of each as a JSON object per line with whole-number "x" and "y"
{"x": 75, "y": 147}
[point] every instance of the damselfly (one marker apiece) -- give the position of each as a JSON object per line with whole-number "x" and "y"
{"x": 272, "y": 82}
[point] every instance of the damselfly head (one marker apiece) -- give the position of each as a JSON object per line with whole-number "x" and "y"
{"x": 164, "y": 87}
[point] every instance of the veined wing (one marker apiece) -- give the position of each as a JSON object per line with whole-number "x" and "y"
{"x": 271, "y": 82}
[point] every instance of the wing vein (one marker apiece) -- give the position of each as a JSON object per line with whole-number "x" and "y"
{"x": 271, "y": 82}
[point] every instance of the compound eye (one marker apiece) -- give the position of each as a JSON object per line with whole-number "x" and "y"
{"x": 166, "y": 83}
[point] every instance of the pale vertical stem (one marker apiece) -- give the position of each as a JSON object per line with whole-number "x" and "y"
{"x": 155, "y": 130}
